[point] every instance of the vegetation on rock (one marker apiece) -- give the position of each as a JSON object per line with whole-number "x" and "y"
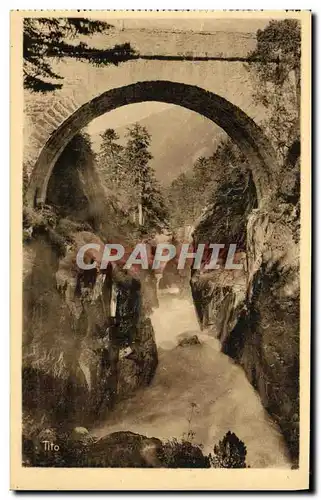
{"x": 127, "y": 170}
{"x": 276, "y": 76}
{"x": 48, "y": 39}
{"x": 229, "y": 453}
{"x": 127, "y": 449}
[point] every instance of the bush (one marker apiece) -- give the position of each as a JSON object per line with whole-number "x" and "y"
{"x": 183, "y": 454}
{"x": 230, "y": 453}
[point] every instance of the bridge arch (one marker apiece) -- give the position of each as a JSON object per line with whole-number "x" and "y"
{"x": 237, "y": 124}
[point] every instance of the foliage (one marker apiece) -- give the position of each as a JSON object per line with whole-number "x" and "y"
{"x": 183, "y": 454}
{"x": 225, "y": 167}
{"x": 230, "y": 453}
{"x": 45, "y": 39}
{"x": 276, "y": 79}
{"x": 137, "y": 157}
{"x": 278, "y": 50}
{"x": 37, "y": 220}
{"x": 127, "y": 170}
{"x": 281, "y": 125}
{"x": 223, "y": 181}
{"x": 110, "y": 158}
{"x": 182, "y": 193}
{"x": 225, "y": 218}
{"x": 25, "y": 180}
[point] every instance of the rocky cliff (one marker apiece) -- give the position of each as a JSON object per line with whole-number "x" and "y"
{"x": 76, "y": 361}
{"x": 255, "y": 311}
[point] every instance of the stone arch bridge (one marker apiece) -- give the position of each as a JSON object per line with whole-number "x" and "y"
{"x": 216, "y": 85}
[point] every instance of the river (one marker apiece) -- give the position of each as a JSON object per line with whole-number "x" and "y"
{"x": 197, "y": 389}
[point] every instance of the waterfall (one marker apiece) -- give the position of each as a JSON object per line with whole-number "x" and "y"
{"x": 202, "y": 378}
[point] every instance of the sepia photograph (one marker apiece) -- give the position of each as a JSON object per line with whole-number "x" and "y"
{"x": 161, "y": 225}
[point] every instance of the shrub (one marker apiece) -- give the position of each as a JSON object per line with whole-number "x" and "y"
{"x": 230, "y": 453}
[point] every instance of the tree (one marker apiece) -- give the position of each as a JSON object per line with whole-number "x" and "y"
{"x": 48, "y": 38}
{"x": 278, "y": 49}
{"x": 154, "y": 207}
{"x": 150, "y": 209}
{"x": 137, "y": 157}
{"x": 183, "y": 193}
{"x": 276, "y": 79}
{"x": 131, "y": 179}
{"x": 114, "y": 170}
{"x": 230, "y": 453}
{"x": 196, "y": 189}
{"x": 110, "y": 158}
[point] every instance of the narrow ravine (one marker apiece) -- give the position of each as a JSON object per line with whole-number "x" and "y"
{"x": 197, "y": 389}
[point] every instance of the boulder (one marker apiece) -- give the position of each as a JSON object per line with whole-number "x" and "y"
{"x": 189, "y": 340}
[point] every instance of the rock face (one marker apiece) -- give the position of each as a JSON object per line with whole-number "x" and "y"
{"x": 271, "y": 328}
{"x": 72, "y": 369}
{"x": 220, "y": 294}
{"x": 119, "y": 449}
{"x": 75, "y": 362}
{"x": 255, "y": 311}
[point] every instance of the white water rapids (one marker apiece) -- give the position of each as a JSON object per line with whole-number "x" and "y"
{"x": 197, "y": 388}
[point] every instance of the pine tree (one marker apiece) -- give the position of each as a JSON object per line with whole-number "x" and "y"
{"x": 113, "y": 169}
{"x": 183, "y": 193}
{"x": 230, "y": 453}
{"x": 48, "y": 38}
{"x": 137, "y": 157}
{"x": 225, "y": 166}
{"x": 110, "y": 158}
{"x": 154, "y": 206}
{"x": 150, "y": 209}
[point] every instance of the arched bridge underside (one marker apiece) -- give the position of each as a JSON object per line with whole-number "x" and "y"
{"x": 237, "y": 124}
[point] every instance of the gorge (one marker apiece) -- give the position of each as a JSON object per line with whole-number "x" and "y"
{"x": 74, "y": 375}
